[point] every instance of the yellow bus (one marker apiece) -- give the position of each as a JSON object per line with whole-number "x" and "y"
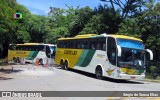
{"x": 30, "y": 51}
{"x": 114, "y": 56}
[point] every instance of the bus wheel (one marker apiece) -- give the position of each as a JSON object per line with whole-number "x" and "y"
{"x": 41, "y": 61}
{"x": 99, "y": 73}
{"x": 66, "y": 65}
{"x": 61, "y": 64}
{"x": 14, "y": 59}
{"x": 18, "y": 60}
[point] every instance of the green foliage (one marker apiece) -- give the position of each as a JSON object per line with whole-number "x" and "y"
{"x": 94, "y": 26}
{"x": 64, "y": 23}
{"x": 104, "y": 20}
{"x": 36, "y": 28}
{"x": 82, "y": 16}
{"x": 129, "y": 19}
{"x": 158, "y": 78}
{"x": 145, "y": 26}
{"x": 55, "y": 34}
{"x": 130, "y": 27}
{"x": 152, "y": 73}
{"x": 11, "y": 30}
{"x": 6, "y": 20}
{"x": 127, "y": 7}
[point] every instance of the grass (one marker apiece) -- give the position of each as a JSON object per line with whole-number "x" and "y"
{"x": 150, "y": 77}
{"x": 1, "y": 60}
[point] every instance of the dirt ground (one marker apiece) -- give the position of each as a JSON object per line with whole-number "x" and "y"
{"x": 5, "y": 70}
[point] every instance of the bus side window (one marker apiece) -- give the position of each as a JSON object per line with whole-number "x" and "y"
{"x": 33, "y": 48}
{"x": 24, "y": 48}
{"x": 93, "y": 47}
{"x": 85, "y": 44}
{"x": 64, "y": 44}
{"x": 111, "y": 50}
{"x": 70, "y": 44}
{"x": 79, "y": 45}
{"x": 99, "y": 46}
{"x": 104, "y": 46}
{"x": 93, "y": 44}
{"x": 75, "y": 44}
{"x": 82, "y": 45}
{"x": 59, "y": 44}
{"x": 42, "y": 48}
{"x": 12, "y": 47}
{"x": 27, "y": 48}
{"x": 48, "y": 51}
{"x": 17, "y": 48}
{"x": 67, "y": 44}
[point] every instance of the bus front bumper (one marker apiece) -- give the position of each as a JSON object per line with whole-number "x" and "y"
{"x": 131, "y": 77}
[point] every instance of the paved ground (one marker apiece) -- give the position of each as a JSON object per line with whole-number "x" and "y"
{"x": 33, "y": 78}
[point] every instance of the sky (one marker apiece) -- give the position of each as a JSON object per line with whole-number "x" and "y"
{"x": 41, "y": 7}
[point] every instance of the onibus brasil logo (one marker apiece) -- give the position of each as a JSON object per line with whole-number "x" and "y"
{"x": 17, "y": 15}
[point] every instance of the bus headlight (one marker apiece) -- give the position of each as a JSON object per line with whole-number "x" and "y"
{"x": 122, "y": 72}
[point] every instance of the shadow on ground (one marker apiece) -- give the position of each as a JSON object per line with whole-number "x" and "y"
{"x": 5, "y": 64}
{"x": 5, "y": 78}
{"x": 9, "y": 71}
{"x": 105, "y": 78}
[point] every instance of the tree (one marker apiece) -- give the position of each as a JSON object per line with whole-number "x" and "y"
{"x": 36, "y": 28}
{"x": 69, "y": 22}
{"x": 56, "y": 25}
{"x": 80, "y": 19}
{"x": 145, "y": 26}
{"x": 104, "y": 20}
{"x": 8, "y": 25}
{"x": 11, "y": 30}
{"x": 128, "y": 7}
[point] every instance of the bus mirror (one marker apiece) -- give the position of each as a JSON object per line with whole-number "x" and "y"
{"x": 51, "y": 51}
{"x": 150, "y": 53}
{"x": 119, "y": 50}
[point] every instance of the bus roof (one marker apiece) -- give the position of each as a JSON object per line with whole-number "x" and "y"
{"x": 79, "y": 36}
{"x": 96, "y": 35}
{"x": 30, "y": 44}
{"x": 50, "y": 44}
{"x": 36, "y": 44}
{"x": 125, "y": 37}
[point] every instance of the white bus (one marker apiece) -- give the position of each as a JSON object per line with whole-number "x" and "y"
{"x": 114, "y": 56}
{"x": 31, "y": 51}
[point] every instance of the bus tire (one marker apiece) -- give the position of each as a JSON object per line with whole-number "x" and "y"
{"x": 18, "y": 60}
{"x": 66, "y": 65}
{"x": 14, "y": 59}
{"x": 99, "y": 73}
{"x": 41, "y": 61}
{"x": 62, "y": 64}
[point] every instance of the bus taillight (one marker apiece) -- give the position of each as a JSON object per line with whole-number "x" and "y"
{"x": 133, "y": 77}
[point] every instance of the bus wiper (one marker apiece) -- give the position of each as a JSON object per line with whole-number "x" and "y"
{"x": 131, "y": 64}
{"x": 126, "y": 64}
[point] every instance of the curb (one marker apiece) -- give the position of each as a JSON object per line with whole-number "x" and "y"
{"x": 151, "y": 80}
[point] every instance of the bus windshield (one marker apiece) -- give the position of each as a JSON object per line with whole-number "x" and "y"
{"x": 132, "y": 54}
{"x": 130, "y": 44}
{"x": 53, "y": 48}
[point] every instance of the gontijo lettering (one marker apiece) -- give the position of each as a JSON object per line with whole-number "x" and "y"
{"x": 20, "y": 52}
{"x": 71, "y": 52}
